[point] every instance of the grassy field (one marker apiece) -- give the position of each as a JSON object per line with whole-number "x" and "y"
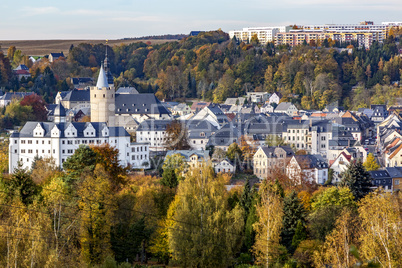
{"x": 44, "y": 47}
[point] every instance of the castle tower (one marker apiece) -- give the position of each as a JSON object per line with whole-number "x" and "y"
{"x": 59, "y": 114}
{"x": 102, "y": 99}
{"x": 106, "y": 66}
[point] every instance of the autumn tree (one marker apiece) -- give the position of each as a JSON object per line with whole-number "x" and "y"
{"x": 108, "y": 157}
{"x": 371, "y": 164}
{"x": 205, "y": 232}
{"x": 336, "y": 249}
{"x": 268, "y": 227}
{"x": 43, "y": 169}
{"x": 234, "y": 153}
{"x": 274, "y": 140}
{"x": 57, "y": 201}
{"x": 176, "y": 137}
{"x": 381, "y": 232}
{"x": 96, "y": 207}
{"x": 326, "y": 207}
{"x": 38, "y": 104}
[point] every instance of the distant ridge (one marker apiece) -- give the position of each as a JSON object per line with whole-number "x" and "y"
{"x": 158, "y": 37}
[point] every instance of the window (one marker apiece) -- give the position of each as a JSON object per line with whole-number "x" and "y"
{"x": 23, "y": 151}
{"x": 29, "y": 141}
{"x": 63, "y": 151}
{"x": 63, "y": 142}
{"x": 396, "y": 182}
{"x": 37, "y": 142}
{"x": 43, "y": 142}
{"x": 69, "y": 142}
{"x": 30, "y": 151}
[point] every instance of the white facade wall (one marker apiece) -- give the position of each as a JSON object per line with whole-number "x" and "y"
{"x": 156, "y": 139}
{"x": 264, "y": 34}
{"x": 25, "y": 149}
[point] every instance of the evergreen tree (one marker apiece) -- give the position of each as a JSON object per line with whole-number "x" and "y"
{"x": 169, "y": 178}
{"x": 357, "y": 179}
{"x": 300, "y": 234}
{"x": 246, "y": 197}
{"x": 22, "y": 184}
{"x": 293, "y": 212}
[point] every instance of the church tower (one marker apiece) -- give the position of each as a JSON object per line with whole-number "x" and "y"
{"x": 102, "y": 99}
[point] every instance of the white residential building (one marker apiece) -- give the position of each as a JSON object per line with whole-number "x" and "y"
{"x": 307, "y": 169}
{"x": 60, "y": 140}
{"x": 264, "y": 34}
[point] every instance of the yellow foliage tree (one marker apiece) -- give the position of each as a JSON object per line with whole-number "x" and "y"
{"x": 268, "y": 228}
{"x": 371, "y": 164}
{"x": 336, "y": 250}
{"x": 96, "y": 216}
{"x": 381, "y": 231}
{"x": 205, "y": 231}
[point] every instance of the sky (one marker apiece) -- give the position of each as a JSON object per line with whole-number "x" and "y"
{"x": 100, "y": 19}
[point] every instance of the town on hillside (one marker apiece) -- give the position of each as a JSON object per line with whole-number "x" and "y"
{"x": 266, "y": 147}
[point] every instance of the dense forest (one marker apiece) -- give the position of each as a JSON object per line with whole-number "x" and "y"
{"x": 96, "y": 214}
{"x": 213, "y": 67}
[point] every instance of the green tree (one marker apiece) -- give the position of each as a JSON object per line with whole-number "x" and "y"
{"x": 234, "y": 152}
{"x": 357, "y": 179}
{"x": 300, "y": 234}
{"x": 371, "y": 164}
{"x": 274, "y": 140}
{"x": 293, "y": 212}
{"x": 326, "y": 208}
{"x": 22, "y": 184}
{"x": 169, "y": 178}
{"x": 83, "y": 159}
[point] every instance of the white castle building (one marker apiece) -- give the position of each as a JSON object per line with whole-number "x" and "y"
{"x": 59, "y": 139}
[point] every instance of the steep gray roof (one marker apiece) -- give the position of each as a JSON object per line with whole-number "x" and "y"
{"x": 139, "y": 104}
{"x": 311, "y": 161}
{"x": 28, "y": 128}
{"x": 153, "y": 125}
{"x": 283, "y": 106}
{"x": 59, "y": 110}
{"x": 102, "y": 79}
{"x": 77, "y": 95}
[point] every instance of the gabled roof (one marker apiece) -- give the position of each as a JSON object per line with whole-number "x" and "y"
{"x": 394, "y": 172}
{"x": 127, "y": 90}
{"x": 394, "y": 151}
{"x": 379, "y": 174}
{"x": 56, "y": 55}
{"x": 283, "y": 106}
{"x": 139, "y": 104}
{"x": 202, "y": 154}
{"x": 310, "y": 161}
{"x": 76, "y": 95}
{"x": 28, "y": 128}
